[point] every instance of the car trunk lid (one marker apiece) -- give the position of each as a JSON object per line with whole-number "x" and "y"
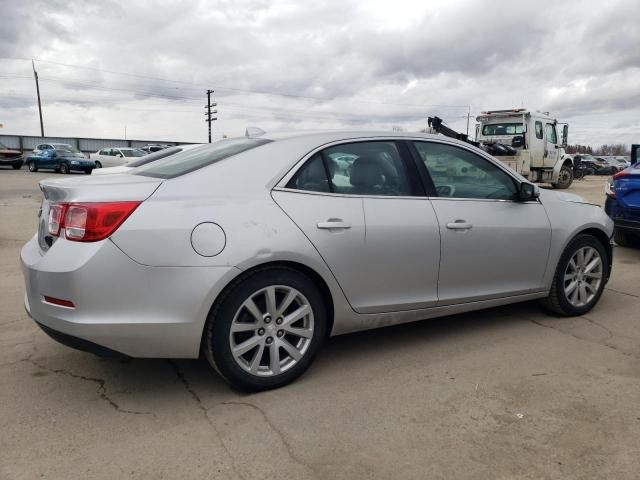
{"x": 107, "y": 188}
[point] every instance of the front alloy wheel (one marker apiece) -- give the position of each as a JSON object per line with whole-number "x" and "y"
{"x": 580, "y": 277}
{"x": 265, "y": 330}
{"x": 583, "y": 276}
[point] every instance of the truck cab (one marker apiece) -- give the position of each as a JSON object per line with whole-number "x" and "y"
{"x": 531, "y": 143}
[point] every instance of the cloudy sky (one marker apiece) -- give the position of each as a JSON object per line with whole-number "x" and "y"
{"x": 281, "y": 65}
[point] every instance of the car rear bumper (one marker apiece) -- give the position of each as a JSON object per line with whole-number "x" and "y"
{"x": 120, "y": 306}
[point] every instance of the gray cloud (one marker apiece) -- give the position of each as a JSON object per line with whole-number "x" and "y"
{"x": 367, "y": 63}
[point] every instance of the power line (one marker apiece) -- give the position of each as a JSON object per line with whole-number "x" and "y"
{"x": 240, "y": 90}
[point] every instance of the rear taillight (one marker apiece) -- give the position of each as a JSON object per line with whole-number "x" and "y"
{"x": 88, "y": 222}
{"x": 621, "y": 174}
{"x": 56, "y": 216}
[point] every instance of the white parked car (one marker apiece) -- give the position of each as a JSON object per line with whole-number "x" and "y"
{"x": 138, "y": 162}
{"x": 115, "y": 156}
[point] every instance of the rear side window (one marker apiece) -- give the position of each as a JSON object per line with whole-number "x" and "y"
{"x": 360, "y": 168}
{"x": 539, "y": 130}
{"x": 196, "y": 158}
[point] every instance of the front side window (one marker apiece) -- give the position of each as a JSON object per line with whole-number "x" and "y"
{"x": 539, "y": 130}
{"x": 550, "y": 130}
{"x": 503, "y": 129}
{"x": 360, "y": 168}
{"x": 459, "y": 173}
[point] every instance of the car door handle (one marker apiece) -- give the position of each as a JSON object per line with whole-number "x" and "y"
{"x": 333, "y": 223}
{"x": 459, "y": 225}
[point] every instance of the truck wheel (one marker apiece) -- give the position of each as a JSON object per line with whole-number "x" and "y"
{"x": 64, "y": 168}
{"x": 33, "y": 167}
{"x": 565, "y": 178}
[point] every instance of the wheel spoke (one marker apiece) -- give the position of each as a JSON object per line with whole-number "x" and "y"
{"x": 571, "y": 287}
{"x": 274, "y": 359}
{"x": 594, "y": 263}
{"x": 255, "y": 363}
{"x": 574, "y": 296}
{"x": 245, "y": 346}
{"x": 589, "y": 255}
{"x": 296, "y": 315}
{"x": 594, "y": 275}
{"x": 299, "y": 332}
{"x": 291, "y": 350}
{"x": 270, "y": 297}
{"x": 253, "y": 309}
{"x": 243, "y": 327}
{"x": 569, "y": 277}
{"x": 589, "y": 287}
{"x": 291, "y": 296}
{"x": 580, "y": 258}
{"x": 572, "y": 264}
{"x": 583, "y": 293}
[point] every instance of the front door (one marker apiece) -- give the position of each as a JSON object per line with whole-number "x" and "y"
{"x": 359, "y": 206}
{"x": 551, "y": 150}
{"x": 492, "y": 246}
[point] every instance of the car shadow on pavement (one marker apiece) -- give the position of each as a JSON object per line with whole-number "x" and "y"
{"x": 153, "y": 378}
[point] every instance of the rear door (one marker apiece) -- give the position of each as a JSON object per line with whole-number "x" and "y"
{"x": 361, "y": 206}
{"x": 491, "y": 245}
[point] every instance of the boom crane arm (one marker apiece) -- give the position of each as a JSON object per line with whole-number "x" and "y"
{"x": 438, "y": 126}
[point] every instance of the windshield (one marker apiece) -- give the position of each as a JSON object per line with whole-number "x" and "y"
{"x": 503, "y": 129}
{"x": 68, "y": 153}
{"x": 2, "y": 145}
{"x": 199, "y": 157}
{"x": 64, "y": 146}
{"x": 133, "y": 153}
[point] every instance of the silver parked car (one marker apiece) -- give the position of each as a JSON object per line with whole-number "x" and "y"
{"x": 254, "y": 250}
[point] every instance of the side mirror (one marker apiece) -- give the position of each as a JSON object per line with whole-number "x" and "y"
{"x": 565, "y": 135}
{"x": 528, "y": 192}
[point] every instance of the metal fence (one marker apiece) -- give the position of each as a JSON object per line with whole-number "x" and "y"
{"x": 26, "y": 143}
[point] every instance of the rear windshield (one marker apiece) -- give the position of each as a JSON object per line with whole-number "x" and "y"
{"x": 190, "y": 160}
{"x": 503, "y": 129}
{"x": 152, "y": 157}
{"x": 133, "y": 153}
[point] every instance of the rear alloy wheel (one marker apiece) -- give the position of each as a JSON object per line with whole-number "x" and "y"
{"x": 33, "y": 167}
{"x": 580, "y": 278}
{"x": 98, "y": 165}
{"x": 565, "y": 178}
{"x": 64, "y": 168}
{"x": 266, "y": 330}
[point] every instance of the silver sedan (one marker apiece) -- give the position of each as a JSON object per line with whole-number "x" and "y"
{"x": 252, "y": 251}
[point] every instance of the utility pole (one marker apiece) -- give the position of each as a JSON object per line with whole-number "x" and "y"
{"x": 35, "y": 74}
{"x": 209, "y": 113}
{"x": 468, "y": 117}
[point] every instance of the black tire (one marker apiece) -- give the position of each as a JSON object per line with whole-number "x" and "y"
{"x": 98, "y": 165}
{"x": 17, "y": 165}
{"x": 216, "y": 343}
{"x": 88, "y": 171}
{"x": 64, "y": 168}
{"x": 565, "y": 178}
{"x": 557, "y": 301}
{"x": 33, "y": 167}
{"x": 626, "y": 239}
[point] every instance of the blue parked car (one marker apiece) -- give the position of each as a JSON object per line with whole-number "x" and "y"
{"x": 60, "y": 160}
{"x": 623, "y": 203}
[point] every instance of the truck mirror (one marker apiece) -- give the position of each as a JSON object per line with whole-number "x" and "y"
{"x": 565, "y": 135}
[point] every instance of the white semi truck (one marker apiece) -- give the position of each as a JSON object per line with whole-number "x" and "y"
{"x": 528, "y": 142}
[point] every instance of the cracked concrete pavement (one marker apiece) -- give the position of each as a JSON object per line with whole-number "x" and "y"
{"x": 503, "y": 393}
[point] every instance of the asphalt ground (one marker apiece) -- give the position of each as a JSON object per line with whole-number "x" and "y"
{"x": 506, "y": 393}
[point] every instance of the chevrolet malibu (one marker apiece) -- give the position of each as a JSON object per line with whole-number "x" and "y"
{"x": 252, "y": 251}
